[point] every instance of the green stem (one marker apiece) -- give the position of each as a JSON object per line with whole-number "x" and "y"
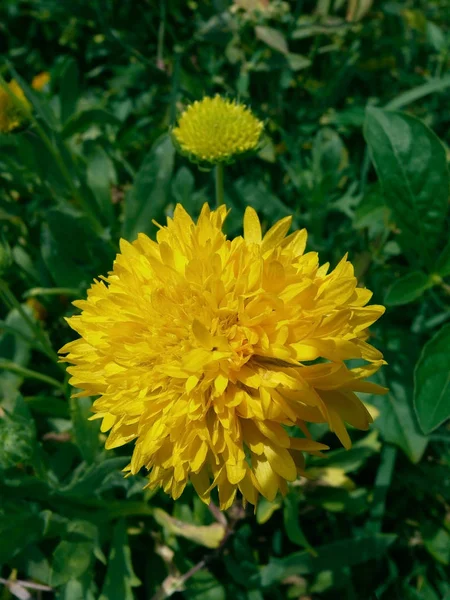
{"x": 34, "y": 327}
{"x": 8, "y": 365}
{"x": 219, "y": 184}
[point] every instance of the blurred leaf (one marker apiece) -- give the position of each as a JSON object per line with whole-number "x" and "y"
{"x": 297, "y": 62}
{"x": 85, "y": 432}
{"x": 183, "y": 187}
{"x": 17, "y": 435}
{"x": 204, "y": 586}
{"x": 437, "y": 541}
{"x": 148, "y": 195}
{"x": 416, "y": 93}
{"x": 432, "y": 382}
{"x": 411, "y": 165}
{"x": 89, "y": 480}
{"x": 331, "y": 557}
{"x": 291, "y": 524}
{"x": 20, "y": 529}
{"x": 265, "y": 509}
{"x": 101, "y": 176}
{"x": 120, "y": 577}
{"x": 408, "y": 288}
{"x": 69, "y": 88}
{"x": 273, "y": 38}
{"x": 396, "y": 422}
{"x": 73, "y": 555}
{"x": 442, "y": 266}
{"x": 357, "y": 9}
{"x": 206, "y": 535}
{"x": 82, "y": 121}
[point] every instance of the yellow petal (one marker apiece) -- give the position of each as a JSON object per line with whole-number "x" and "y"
{"x": 252, "y": 226}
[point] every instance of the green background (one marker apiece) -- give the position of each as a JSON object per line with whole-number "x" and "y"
{"x": 355, "y": 100}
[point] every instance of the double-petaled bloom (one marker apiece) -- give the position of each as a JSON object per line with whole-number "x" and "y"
{"x": 213, "y": 355}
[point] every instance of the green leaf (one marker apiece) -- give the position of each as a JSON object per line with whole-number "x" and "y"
{"x": 17, "y": 436}
{"x": 183, "y": 187}
{"x": 411, "y": 164}
{"x": 85, "y": 432}
{"x": 442, "y": 266}
{"x": 291, "y": 524}
{"x": 120, "y": 577}
{"x": 273, "y": 38}
{"x": 205, "y": 535}
{"x": 432, "y": 382}
{"x": 265, "y": 509}
{"x": 73, "y": 555}
{"x": 101, "y": 176}
{"x": 437, "y": 541}
{"x": 20, "y": 529}
{"x": 148, "y": 195}
{"x": 396, "y": 421}
{"x": 431, "y": 86}
{"x": 408, "y": 288}
{"x": 82, "y": 121}
{"x": 331, "y": 557}
{"x": 87, "y": 481}
{"x": 69, "y": 88}
{"x": 204, "y": 586}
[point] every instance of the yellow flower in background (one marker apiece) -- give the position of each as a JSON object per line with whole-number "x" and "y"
{"x": 206, "y": 350}
{"x": 217, "y": 130}
{"x": 12, "y": 113}
{"x": 40, "y": 81}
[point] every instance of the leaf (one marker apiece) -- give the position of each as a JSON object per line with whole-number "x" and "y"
{"x": 442, "y": 266}
{"x": 297, "y": 62}
{"x": 82, "y": 121}
{"x": 408, "y": 288}
{"x": 265, "y": 509}
{"x": 204, "y": 586}
{"x": 183, "y": 187}
{"x": 71, "y": 251}
{"x": 411, "y": 164}
{"x": 205, "y": 535}
{"x": 331, "y": 557}
{"x": 120, "y": 577}
{"x": 397, "y": 423}
{"x": 291, "y": 524}
{"x": 69, "y": 88}
{"x": 20, "y": 529}
{"x": 73, "y": 555}
{"x": 148, "y": 196}
{"x": 432, "y": 382}
{"x": 101, "y": 176}
{"x": 17, "y": 435}
{"x": 431, "y": 86}
{"x": 85, "y": 432}
{"x": 273, "y": 38}
{"x": 89, "y": 480}
{"x": 437, "y": 541}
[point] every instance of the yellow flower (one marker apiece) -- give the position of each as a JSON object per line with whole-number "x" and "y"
{"x": 40, "y": 81}
{"x": 206, "y": 350}
{"x": 12, "y": 114}
{"x": 217, "y": 130}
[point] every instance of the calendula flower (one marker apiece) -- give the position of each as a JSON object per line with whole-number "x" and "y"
{"x": 217, "y": 130}
{"x": 208, "y": 351}
{"x": 12, "y": 113}
{"x": 40, "y": 81}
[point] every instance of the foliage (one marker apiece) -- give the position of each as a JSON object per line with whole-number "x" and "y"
{"x": 354, "y": 96}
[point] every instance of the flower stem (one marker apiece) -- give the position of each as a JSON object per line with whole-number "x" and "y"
{"x": 219, "y": 184}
